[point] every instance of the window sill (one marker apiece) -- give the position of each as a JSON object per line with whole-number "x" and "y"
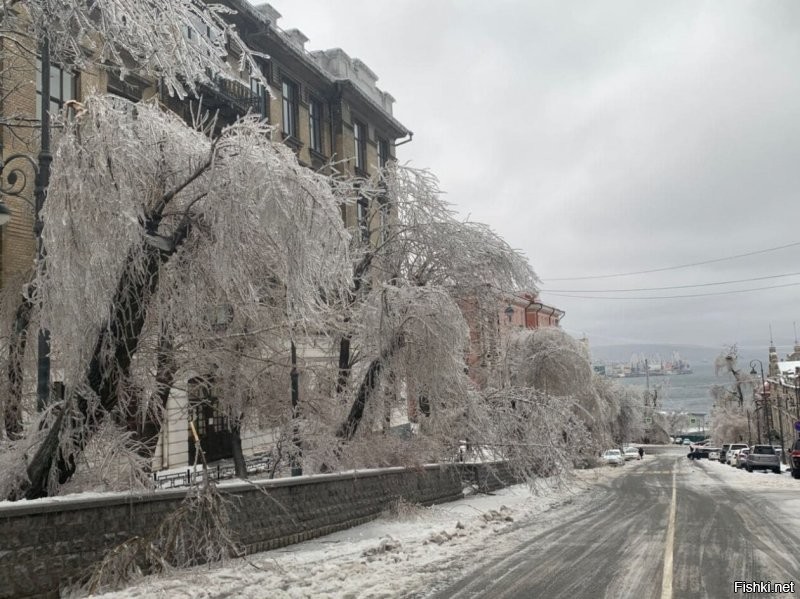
{"x": 317, "y": 154}
{"x": 292, "y": 141}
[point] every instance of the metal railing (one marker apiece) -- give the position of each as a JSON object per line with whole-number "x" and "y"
{"x": 216, "y": 471}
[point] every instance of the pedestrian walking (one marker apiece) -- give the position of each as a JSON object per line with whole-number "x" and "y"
{"x": 641, "y": 453}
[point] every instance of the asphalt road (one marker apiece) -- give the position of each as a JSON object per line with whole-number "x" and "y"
{"x": 667, "y": 527}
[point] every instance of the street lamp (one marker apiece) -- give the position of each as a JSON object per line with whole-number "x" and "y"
{"x": 16, "y": 182}
{"x": 764, "y": 400}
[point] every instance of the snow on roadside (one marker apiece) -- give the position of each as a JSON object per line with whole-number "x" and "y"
{"x": 741, "y": 478}
{"x": 396, "y": 555}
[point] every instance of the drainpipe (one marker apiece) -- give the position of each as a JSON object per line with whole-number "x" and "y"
{"x": 410, "y": 137}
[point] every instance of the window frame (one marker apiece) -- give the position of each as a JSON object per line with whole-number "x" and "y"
{"x": 315, "y": 121}
{"x": 290, "y": 107}
{"x": 383, "y": 152}
{"x": 360, "y": 145}
{"x": 57, "y": 100}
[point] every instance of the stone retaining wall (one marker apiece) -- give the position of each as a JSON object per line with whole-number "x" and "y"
{"x": 47, "y": 542}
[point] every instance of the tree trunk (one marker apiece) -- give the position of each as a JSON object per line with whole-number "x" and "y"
{"x": 348, "y": 428}
{"x": 123, "y": 332}
{"x": 12, "y": 410}
{"x": 297, "y": 468}
{"x": 239, "y": 465}
{"x": 344, "y": 364}
{"x": 359, "y": 272}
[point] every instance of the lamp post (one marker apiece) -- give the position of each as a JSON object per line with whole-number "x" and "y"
{"x": 762, "y": 400}
{"x": 797, "y": 394}
{"x": 15, "y": 184}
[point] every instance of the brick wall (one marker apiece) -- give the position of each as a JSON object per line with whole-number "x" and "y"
{"x": 44, "y": 543}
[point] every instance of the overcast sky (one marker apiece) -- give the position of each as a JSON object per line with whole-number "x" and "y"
{"x": 606, "y": 137}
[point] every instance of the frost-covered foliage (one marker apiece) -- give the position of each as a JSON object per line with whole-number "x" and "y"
{"x": 549, "y": 360}
{"x": 168, "y": 251}
{"x": 265, "y": 238}
{"x": 180, "y": 42}
{"x": 424, "y": 336}
{"x": 537, "y": 418}
{"x": 732, "y": 402}
{"x": 413, "y": 260}
{"x": 427, "y": 244}
{"x": 619, "y": 413}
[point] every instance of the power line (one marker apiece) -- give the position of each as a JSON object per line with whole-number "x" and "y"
{"x": 642, "y": 272}
{"x": 663, "y": 297}
{"x": 789, "y": 274}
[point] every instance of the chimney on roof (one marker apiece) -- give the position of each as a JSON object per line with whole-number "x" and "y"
{"x": 297, "y": 37}
{"x": 269, "y": 11}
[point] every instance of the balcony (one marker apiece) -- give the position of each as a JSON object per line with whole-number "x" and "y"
{"x": 232, "y": 99}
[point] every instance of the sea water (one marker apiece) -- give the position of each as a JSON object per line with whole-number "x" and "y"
{"x": 683, "y": 392}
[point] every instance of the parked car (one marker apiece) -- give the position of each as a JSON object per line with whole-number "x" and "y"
{"x": 763, "y": 457}
{"x": 723, "y": 454}
{"x": 613, "y": 457}
{"x": 687, "y": 441}
{"x": 741, "y": 457}
{"x": 700, "y": 452}
{"x": 678, "y": 440}
{"x": 730, "y": 458}
{"x": 794, "y": 459}
{"x": 630, "y": 453}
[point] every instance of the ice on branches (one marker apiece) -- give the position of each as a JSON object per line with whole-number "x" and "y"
{"x": 181, "y": 42}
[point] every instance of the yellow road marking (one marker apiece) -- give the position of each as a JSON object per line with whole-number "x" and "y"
{"x": 666, "y": 578}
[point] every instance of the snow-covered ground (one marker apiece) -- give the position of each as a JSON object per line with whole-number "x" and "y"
{"x": 781, "y": 490}
{"x": 398, "y": 555}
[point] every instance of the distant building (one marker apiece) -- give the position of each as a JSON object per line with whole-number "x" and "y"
{"x": 517, "y": 311}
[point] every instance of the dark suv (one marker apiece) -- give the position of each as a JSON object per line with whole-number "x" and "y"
{"x": 763, "y": 457}
{"x": 724, "y": 452}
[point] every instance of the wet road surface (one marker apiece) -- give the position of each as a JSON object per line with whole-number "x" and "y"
{"x": 666, "y": 527}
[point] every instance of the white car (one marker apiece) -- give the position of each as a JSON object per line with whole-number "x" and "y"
{"x": 613, "y": 457}
{"x": 630, "y": 453}
{"x": 733, "y": 453}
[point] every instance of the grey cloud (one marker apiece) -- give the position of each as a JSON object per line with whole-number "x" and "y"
{"x": 604, "y": 137}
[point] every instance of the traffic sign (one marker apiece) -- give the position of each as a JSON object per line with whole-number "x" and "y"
{"x": 797, "y": 425}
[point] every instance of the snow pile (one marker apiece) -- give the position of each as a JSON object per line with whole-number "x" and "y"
{"x": 396, "y": 555}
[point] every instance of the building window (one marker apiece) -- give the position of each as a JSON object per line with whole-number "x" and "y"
{"x": 63, "y": 87}
{"x": 360, "y": 139}
{"x": 290, "y": 97}
{"x": 362, "y": 217}
{"x": 260, "y": 93}
{"x": 315, "y": 124}
{"x": 383, "y": 152}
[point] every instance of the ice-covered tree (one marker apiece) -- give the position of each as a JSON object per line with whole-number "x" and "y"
{"x": 732, "y": 401}
{"x": 178, "y": 42}
{"x": 414, "y": 246}
{"x": 153, "y": 230}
